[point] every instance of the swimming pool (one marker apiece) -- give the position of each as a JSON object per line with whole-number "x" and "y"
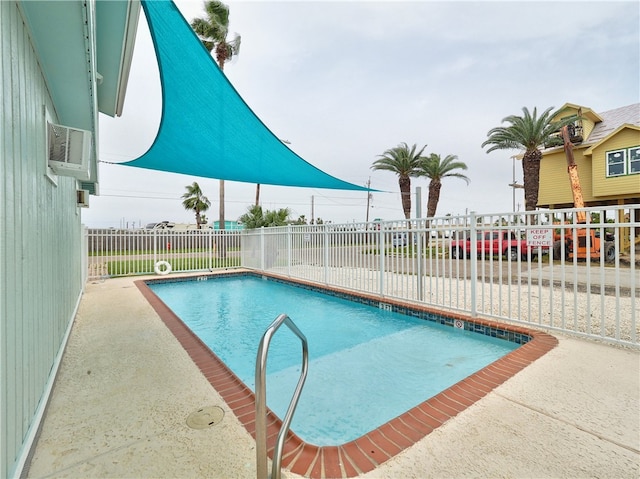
{"x": 367, "y": 365}
{"x": 366, "y": 452}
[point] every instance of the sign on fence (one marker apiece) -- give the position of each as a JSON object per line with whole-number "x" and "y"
{"x": 540, "y": 237}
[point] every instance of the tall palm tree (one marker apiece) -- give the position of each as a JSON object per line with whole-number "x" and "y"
{"x": 195, "y": 201}
{"x": 435, "y": 168}
{"x": 404, "y": 162}
{"x": 213, "y": 31}
{"x": 529, "y": 133}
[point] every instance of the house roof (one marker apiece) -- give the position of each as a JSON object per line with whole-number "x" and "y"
{"x": 612, "y": 120}
{"x": 585, "y": 112}
{"x": 589, "y": 151}
{"x": 116, "y": 27}
{"x": 84, "y": 73}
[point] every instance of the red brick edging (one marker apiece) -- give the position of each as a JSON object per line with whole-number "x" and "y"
{"x": 374, "y": 448}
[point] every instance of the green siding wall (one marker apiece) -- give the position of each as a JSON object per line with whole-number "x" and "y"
{"x": 40, "y": 244}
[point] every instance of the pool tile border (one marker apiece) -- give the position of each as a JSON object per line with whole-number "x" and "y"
{"x": 374, "y": 448}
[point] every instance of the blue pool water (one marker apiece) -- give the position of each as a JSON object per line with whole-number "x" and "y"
{"x": 366, "y": 365}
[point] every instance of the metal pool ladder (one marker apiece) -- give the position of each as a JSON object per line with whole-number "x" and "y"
{"x": 261, "y": 399}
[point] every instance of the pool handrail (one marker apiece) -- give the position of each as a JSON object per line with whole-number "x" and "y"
{"x": 261, "y": 399}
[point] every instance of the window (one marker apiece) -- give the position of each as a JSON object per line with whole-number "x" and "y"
{"x": 616, "y": 163}
{"x": 634, "y": 160}
{"x": 49, "y": 173}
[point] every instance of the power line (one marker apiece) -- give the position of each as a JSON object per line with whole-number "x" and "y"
{"x": 357, "y": 202}
{"x": 172, "y": 198}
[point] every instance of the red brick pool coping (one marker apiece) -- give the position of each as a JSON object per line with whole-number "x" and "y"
{"x": 374, "y": 448}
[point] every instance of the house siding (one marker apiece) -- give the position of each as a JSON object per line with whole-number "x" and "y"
{"x": 587, "y": 123}
{"x": 619, "y": 185}
{"x": 615, "y": 129}
{"x": 587, "y": 127}
{"x": 555, "y": 188}
{"x": 40, "y": 244}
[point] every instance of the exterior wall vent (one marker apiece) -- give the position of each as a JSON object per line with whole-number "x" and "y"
{"x": 82, "y": 197}
{"x": 69, "y": 151}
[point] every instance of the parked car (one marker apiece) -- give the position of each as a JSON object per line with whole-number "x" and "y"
{"x": 505, "y": 243}
{"x": 163, "y": 225}
{"x": 402, "y": 239}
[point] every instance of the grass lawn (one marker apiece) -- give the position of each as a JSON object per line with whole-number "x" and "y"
{"x": 177, "y": 264}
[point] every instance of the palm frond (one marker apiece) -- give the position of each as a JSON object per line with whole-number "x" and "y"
{"x": 218, "y": 19}
{"x": 402, "y": 160}
{"x": 436, "y": 168}
{"x": 214, "y": 29}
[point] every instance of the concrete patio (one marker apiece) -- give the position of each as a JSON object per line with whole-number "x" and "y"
{"x": 126, "y": 387}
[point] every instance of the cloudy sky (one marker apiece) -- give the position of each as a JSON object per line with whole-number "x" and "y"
{"x": 345, "y": 80}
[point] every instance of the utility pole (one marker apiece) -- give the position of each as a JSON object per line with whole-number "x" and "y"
{"x": 514, "y": 184}
{"x": 312, "y": 209}
{"x": 368, "y": 197}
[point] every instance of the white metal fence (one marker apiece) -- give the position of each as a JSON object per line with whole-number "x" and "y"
{"x": 417, "y": 260}
{"x": 114, "y": 252}
{"x": 591, "y": 293}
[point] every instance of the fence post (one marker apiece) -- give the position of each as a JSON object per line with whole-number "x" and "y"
{"x": 381, "y": 251}
{"x": 325, "y": 253}
{"x": 155, "y": 246}
{"x": 289, "y": 253}
{"x": 474, "y": 262}
{"x": 417, "y": 247}
{"x": 262, "y": 248}
{"x": 210, "y": 248}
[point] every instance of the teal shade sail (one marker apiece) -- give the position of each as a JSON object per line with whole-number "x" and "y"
{"x": 207, "y": 129}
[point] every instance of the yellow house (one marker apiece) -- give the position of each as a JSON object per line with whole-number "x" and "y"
{"x": 607, "y": 153}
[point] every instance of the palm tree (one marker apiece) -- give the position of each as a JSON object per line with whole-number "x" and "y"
{"x": 404, "y": 162}
{"x": 213, "y": 31}
{"x": 256, "y": 218}
{"x": 529, "y": 133}
{"x": 277, "y": 217}
{"x": 194, "y": 200}
{"x": 253, "y": 218}
{"x": 435, "y": 168}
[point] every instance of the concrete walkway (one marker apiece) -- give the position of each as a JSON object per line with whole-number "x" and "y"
{"x": 126, "y": 387}
{"x": 609, "y": 276}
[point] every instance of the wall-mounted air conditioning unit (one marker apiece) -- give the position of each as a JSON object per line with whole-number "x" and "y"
{"x": 82, "y": 197}
{"x": 69, "y": 151}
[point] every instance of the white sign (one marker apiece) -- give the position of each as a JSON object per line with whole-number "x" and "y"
{"x": 540, "y": 237}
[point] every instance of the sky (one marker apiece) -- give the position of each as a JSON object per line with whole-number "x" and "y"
{"x": 343, "y": 81}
